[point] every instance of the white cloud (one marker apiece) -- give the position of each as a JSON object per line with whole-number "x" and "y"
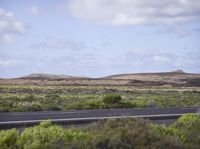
{"x": 34, "y": 10}
{"x": 19, "y": 26}
{"x": 5, "y": 63}
{"x": 7, "y": 39}
{"x": 161, "y": 59}
{"x": 179, "y": 30}
{"x": 147, "y": 60}
{"x": 9, "y": 24}
{"x": 136, "y": 12}
{"x": 189, "y": 60}
{"x": 58, "y": 43}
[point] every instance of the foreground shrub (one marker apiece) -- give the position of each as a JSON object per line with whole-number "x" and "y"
{"x": 190, "y": 125}
{"x": 128, "y": 134}
{"x": 190, "y": 120}
{"x": 42, "y": 136}
{"x": 186, "y": 129}
{"x": 111, "y": 99}
{"x": 48, "y": 136}
{"x": 8, "y": 139}
{"x": 170, "y": 131}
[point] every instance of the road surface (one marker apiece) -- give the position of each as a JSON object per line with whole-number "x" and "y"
{"x": 18, "y": 119}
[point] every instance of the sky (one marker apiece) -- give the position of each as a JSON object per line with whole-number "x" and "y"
{"x": 98, "y": 37}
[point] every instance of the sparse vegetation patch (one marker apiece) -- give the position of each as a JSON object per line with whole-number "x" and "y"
{"x": 39, "y": 98}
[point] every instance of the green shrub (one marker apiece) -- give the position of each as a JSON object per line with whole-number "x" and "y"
{"x": 52, "y": 96}
{"x": 170, "y": 132}
{"x": 34, "y": 107}
{"x": 48, "y": 136}
{"x": 51, "y": 107}
{"x": 111, "y": 99}
{"x": 186, "y": 129}
{"x": 43, "y": 136}
{"x": 189, "y": 119}
{"x": 8, "y": 139}
{"x": 31, "y": 97}
{"x": 4, "y": 109}
{"x": 189, "y": 124}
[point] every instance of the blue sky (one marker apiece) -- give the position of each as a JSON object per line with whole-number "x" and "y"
{"x": 98, "y": 37}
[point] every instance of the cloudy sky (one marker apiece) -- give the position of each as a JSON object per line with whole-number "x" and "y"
{"x": 98, "y": 37}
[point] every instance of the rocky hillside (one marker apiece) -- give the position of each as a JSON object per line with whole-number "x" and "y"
{"x": 174, "y": 78}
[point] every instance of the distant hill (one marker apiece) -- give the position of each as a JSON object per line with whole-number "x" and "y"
{"x": 149, "y": 76}
{"x": 48, "y": 76}
{"x": 173, "y": 78}
{"x": 178, "y": 71}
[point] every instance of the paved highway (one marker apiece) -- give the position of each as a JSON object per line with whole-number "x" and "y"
{"x": 16, "y": 119}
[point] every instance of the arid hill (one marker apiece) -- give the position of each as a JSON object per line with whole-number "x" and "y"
{"x": 174, "y": 78}
{"x": 48, "y": 76}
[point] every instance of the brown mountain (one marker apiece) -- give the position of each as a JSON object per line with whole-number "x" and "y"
{"x": 173, "y": 78}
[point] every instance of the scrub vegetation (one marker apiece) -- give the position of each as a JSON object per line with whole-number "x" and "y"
{"x": 110, "y": 134}
{"x": 40, "y": 98}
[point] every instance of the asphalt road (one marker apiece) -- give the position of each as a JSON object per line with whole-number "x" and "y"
{"x": 80, "y": 116}
{"x": 24, "y": 116}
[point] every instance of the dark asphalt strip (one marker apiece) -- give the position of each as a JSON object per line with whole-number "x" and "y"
{"x": 16, "y": 119}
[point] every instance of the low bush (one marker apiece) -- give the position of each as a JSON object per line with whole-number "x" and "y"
{"x": 186, "y": 129}
{"x": 48, "y": 136}
{"x": 190, "y": 125}
{"x": 170, "y": 131}
{"x": 8, "y": 139}
{"x": 51, "y": 107}
{"x": 111, "y": 99}
{"x": 127, "y": 134}
{"x": 52, "y": 96}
